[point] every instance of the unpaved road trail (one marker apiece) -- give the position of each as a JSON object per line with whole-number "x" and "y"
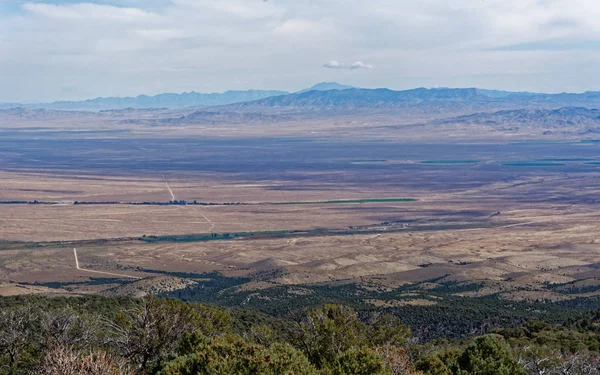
{"x": 212, "y": 225}
{"x": 168, "y": 187}
{"x": 503, "y": 226}
{"x": 100, "y": 272}
{"x": 522, "y": 224}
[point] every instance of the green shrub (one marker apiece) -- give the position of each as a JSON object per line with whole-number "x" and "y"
{"x": 221, "y": 356}
{"x": 488, "y": 355}
{"x": 359, "y": 361}
{"x": 328, "y": 331}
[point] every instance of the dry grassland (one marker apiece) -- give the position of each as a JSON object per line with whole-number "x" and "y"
{"x": 507, "y": 259}
{"x": 546, "y": 231}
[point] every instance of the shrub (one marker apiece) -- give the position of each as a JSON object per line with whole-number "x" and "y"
{"x": 233, "y": 356}
{"x": 489, "y": 355}
{"x": 64, "y": 361}
{"x": 359, "y": 361}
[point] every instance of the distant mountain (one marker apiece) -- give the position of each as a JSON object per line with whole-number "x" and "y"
{"x": 331, "y": 97}
{"x": 10, "y": 105}
{"x": 556, "y": 119}
{"x": 505, "y": 94}
{"x": 187, "y": 99}
{"x": 39, "y": 113}
{"x": 440, "y": 100}
{"x": 352, "y": 99}
{"x": 326, "y": 86}
{"x": 168, "y": 100}
{"x": 216, "y": 118}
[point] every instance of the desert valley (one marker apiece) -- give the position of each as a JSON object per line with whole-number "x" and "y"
{"x": 268, "y": 202}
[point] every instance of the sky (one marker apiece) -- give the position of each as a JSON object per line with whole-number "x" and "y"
{"x": 72, "y": 50}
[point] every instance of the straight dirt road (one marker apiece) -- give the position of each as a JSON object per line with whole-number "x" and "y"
{"x": 168, "y": 187}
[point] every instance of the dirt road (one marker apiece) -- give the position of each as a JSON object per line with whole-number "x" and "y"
{"x": 168, "y": 187}
{"x": 100, "y": 272}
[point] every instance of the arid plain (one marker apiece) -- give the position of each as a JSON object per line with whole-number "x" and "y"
{"x": 518, "y": 220}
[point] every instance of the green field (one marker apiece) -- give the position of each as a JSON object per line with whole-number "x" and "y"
{"x": 343, "y": 201}
{"x": 532, "y": 164}
{"x": 449, "y": 162}
{"x": 562, "y": 160}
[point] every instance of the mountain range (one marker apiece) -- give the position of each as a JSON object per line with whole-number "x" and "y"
{"x": 333, "y": 97}
{"x": 172, "y": 101}
{"x": 168, "y": 100}
{"x": 555, "y": 118}
{"x": 334, "y": 109}
{"x": 326, "y": 86}
{"x": 373, "y": 98}
{"x": 355, "y": 98}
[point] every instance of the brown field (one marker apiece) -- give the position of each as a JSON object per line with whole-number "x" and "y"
{"x": 205, "y": 187}
{"x": 531, "y": 244}
{"x": 520, "y": 220}
{"x": 509, "y": 258}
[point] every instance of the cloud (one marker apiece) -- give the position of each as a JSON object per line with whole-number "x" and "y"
{"x": 87, "y": 11}
{"x": 334, "y": 64}
{"x": 360, "y": 65}
{"x": 128, "y": 47}
{"x": 242, "y": 9}
{"x": 301, "y": 30}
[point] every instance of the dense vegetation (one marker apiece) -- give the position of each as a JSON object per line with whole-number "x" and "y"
{"x": 119, "y": 335}
{"x": 448, "y": 316}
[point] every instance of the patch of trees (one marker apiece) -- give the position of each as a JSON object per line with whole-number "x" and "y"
{"x": 186, "y": 203}
{"x": 146, "y": 203}
{"x": 90, "y": 282}
{"x": 127, "y": 336}
{"x": 24, "y": 202}
{"x": 450, "y": 316}
{"x": 202, "y": 237}
{"x": 91, "y": 203}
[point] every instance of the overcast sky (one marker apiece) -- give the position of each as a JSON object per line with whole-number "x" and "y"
{"x": 67, "y": 49}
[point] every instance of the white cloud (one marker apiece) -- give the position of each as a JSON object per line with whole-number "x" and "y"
{"x": 360, "y": 65}
{"x": 334, "y": 64}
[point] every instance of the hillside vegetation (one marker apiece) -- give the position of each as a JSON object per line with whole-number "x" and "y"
{"x": 118, "y": 335}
